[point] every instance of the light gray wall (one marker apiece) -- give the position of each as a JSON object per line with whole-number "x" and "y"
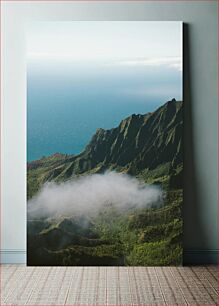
{"x": 200, "y": 96}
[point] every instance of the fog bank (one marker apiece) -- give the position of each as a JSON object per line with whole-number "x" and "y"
{"x": 88, "y": 194}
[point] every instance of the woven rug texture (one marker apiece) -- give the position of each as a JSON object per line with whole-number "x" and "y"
{"x": 124, "y": 286}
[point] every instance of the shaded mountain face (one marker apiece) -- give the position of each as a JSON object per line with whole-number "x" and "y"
{"x": 140, "y": 141}
{"x": 140, "y": 144}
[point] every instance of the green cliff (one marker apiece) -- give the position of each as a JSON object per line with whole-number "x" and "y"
{"x": 148, "y": 146}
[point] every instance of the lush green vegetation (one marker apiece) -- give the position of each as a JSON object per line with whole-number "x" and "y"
{"x": 145, "y": 146}
{"x": 134, "y": 237}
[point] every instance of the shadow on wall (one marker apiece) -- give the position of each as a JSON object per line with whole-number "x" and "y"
{"x": 191, "y": 212}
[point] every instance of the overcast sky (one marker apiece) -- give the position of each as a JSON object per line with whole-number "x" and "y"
{"x": 115, "y": 42}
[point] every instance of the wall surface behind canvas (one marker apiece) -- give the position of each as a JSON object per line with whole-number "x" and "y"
{"x": 200, "y": 96}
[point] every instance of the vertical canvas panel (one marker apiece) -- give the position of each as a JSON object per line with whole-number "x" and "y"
{"x": 104, "y": 138}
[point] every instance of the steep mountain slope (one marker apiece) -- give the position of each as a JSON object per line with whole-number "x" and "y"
{"x": 143, "y": 140}
{"x": 147, "y": 145}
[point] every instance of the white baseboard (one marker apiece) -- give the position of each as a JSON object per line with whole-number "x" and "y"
{"x": 13, "y": 256}
{"x": 190, "y": 257}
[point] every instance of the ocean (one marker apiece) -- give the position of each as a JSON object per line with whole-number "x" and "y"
{"x": 67, "y": 101}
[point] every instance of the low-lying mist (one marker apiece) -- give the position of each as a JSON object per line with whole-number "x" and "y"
{"x": 89, "y": 194}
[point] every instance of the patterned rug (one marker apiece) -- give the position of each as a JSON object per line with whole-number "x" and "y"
{"x": 21, "y": 285}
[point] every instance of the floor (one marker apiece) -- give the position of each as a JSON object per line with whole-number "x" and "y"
{"x": 23, "y": 285}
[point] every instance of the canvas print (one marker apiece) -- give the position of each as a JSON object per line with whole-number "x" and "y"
{"x": 104, "y": 143}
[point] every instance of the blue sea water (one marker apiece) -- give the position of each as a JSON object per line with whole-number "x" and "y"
{"x": 68, "y": 101}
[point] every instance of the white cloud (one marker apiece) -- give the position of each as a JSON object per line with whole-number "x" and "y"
{"x": 173, "y": 62}
{"x": 89, "y": 194}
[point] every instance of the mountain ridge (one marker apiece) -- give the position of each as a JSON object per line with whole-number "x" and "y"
{"x": 139, "y": 144}
{"x": 147, "y": 147}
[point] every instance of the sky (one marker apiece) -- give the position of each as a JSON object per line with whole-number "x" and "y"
{"x": 112, "y": 42}
{"x": 83, "y": 75}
